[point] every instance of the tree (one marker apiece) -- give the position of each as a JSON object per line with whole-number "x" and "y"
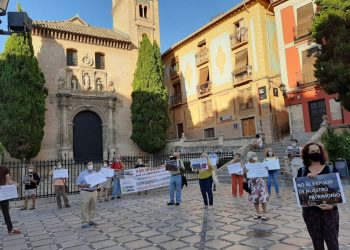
{"x": 331, "y": 29}
{"x": 149, "y": 108}
{"x": 22, "y": 98}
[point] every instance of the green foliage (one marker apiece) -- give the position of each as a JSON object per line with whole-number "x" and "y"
{"x": 22, "y": 98}
{"x": 149, "y": 108}
{"x": 337, "y": 144}
{"x": 331, "y": 29}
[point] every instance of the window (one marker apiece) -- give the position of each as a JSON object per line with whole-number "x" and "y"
{"x": 140, "y": 10}
{"x": 72, "y": 57}
{"x": 209, "y": 133}
{"x": 304, "y": 20}
{"x": 180, "y": 130}
{"x": 204, "y": 75}
{"x": 239, "y": 30}
{"x": 145, "y": 12}
{"x": 241, "y": 61}
{"x": 308, "y": 61}
{"x": 100, "y": 60}
{"x": 177, "y": 88}
{"x": 245, "y": 99}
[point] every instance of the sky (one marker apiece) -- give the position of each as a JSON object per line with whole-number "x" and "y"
{"x": 176, "y": 20}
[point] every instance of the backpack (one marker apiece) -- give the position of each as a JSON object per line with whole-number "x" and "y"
{"x": 328, "y": 164}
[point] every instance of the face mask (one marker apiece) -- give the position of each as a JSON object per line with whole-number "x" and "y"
{"x": 90, "y": 167}
{"x": 30, "y": 170}
{"x": 59, "y": 166}
{"x": 255, "y": 158}
{"x": 294, "y": 144}
{"x": 316, "y": 157}
{"x": 270, "y": 153}
{"x": 105, "y": 165}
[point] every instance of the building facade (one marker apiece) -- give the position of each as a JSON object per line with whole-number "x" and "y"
{"x": 305, "y": 100}
{"x": 224, "y": 79}
{"x": 89, "y": 73}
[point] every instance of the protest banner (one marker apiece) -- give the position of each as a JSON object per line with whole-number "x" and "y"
{"x": 172, "y": 165}
{"x": 60, "y": 174}
{"x": 145, "y": 179}
{"x": 256, "y": 170}
{"x": 199, "y": 164}
{"x": 235, "y": 168}
{"x": 323, "y": 189}
{"x": 119, "y": 173}
{"x": 95, "y": 179}
{"x": 108, "y": 172}
{"x": 273, "y": 164}
{"x": 8, "y": 192}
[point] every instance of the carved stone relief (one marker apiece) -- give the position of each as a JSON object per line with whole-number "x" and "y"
{"x": 88, "y": 61}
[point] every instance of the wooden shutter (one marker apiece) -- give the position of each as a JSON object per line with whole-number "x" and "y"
{"x": 203, "y": 75}
{"x": 304, "y": 19}
{"x": 245, "y": 99}
{"x": 241, "y": 59}
{"x": 308, "y": 60}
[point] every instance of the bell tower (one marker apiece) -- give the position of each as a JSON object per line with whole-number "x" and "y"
{"x": 135, "y": 18}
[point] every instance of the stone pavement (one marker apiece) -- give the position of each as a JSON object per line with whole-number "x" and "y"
{"x": 145, "y": 222}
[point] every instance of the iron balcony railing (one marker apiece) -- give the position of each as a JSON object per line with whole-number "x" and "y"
{"x": 239, "y": 37}
{"x": 204, "y": 89}
{"x": 242, "y": 74}
{"x": 175, "y": 99}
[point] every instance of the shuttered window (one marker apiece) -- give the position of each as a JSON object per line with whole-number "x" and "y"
{"x": 308, "y": 61}
{"x": 100, "y": 60}
{"x": 204, "y": 75}
{"x": 241, "y": 60}
{"x": 304, "y": 20}
{"x": 209, "y": 133}
{"x": 245, "y": 99}
{"x": 72, "y": 57}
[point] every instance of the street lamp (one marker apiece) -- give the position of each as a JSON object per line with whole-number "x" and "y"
{"x": 3, "y": 7}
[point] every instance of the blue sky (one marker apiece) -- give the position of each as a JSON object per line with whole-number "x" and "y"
{"x": 176, "y": 20}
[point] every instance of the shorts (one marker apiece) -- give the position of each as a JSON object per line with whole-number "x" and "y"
{"x": 30, "y": 192}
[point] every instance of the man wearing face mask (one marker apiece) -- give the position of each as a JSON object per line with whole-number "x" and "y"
{"x": 59, "y": 186}
{"x": 294, "y": 155}
{"x": 88, "y": 197}
{"x": 31, "y": 182}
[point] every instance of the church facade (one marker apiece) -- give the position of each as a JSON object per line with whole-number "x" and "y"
{"x": 89, "y": 73}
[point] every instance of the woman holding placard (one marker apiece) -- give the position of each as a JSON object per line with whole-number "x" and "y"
{"x": 237, "y": 179}
{"x": 106, "y": 186}
{"x": 258, "y": 188}
{"x": 273, "y": 173}
{"x": 206, "y": 182}
{"x": 322, "y": 221}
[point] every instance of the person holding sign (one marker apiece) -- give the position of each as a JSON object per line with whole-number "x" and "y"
{"x": 322, "y": 221}
{"x": 88, "y": 196}
{"x": 294, "y": 154}
{"x": 237, "y": 178}
{"x": 31, "y": 182}
{"x": 206, "y": 182}
{"x": 106, "y": 186}
{"x": 176, "y": 180}
{"x": 258, "y": 188}
{"x": 118, "y": 167}
{"x": 139, "y": 164}
{"x": 273, "y": 173}
{"x": 60, "y": 187}
{"x": 4, "y": 204}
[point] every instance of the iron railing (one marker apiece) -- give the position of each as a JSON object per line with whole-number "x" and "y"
{"x": 204, "y": 89}
{"x": 175, "y": 99}
{"x": 43, "y": 169}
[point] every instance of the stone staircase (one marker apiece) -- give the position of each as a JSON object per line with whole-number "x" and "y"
{"x": 278, "y": 147}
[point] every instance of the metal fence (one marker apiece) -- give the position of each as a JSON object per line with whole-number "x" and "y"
{"x": 43, "y": 169}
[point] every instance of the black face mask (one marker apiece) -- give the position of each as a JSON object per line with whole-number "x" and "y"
{"x": 315, "y": 157}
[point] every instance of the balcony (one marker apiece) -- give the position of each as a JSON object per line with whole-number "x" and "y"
{"x": 202, "y": 57}
{"x": 204, "y": 89}
{"x": 174, "y": 71}
{"x": 242, "y": 75}
{"x": 175, "y": 100}
{"x": 306, "y": 77}
{"x": 302, "y": 30}
{"x": 239, "y": 38}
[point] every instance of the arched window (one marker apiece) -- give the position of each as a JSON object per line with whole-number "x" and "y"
{"x": 72, "y": 57}
{"x": 100, "y": 60}
{"x": 141, "y": 10}
{"x": 145, "y": 12}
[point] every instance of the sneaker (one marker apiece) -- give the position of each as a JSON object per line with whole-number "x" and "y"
{"x": 119, "y": 197}
{"x": 14, "y": 232}
{"x": 177, "y": 204}
{"x": 279, "y": 196}
{"x": 92, "y": 223}
{"x": 263, "y": 217}
{"x": 112, "y": 198}
{"x": 67, "y": 205}
{"x": 85, "y": 226}
{"x": 257, "y": 216}
{"x": 170, "y": 203}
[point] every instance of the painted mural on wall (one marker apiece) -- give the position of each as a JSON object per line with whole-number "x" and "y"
{"x": 188, "y": 71}
{"x": 273, "y": 46}
{"x": 220, "y": 51}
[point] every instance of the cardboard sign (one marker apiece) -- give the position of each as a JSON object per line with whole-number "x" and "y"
{"x": 95, "y": 179}
{"x": 199, "y": 164}
{"x": 60, "y": 174}
{"x": 8, "y": 192}
{"x": 235, "y": 168}
{"x": 108, "y": 172}
{"x": 172, "y": 165}
{"x": 273, "y": 164}
{"x": 256, "y": 170}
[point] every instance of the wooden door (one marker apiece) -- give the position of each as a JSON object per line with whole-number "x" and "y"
{"x": 248, "y": 127}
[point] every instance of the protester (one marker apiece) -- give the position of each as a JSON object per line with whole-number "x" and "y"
{"x": 118, "y": 167}
{"x": 88, "y": 196}
{"x": 5, "y": 206}
{"x": 294, "y": 154}
{"x": 60, "y": 188}
{"x": 106, "y": 186}
{"x": 258, "y": 188}
{"x": 139, "y": 164}
{"x": 273, "y": 174}
{"x": 206, "y": 182}
{"x": 257, "y": 143}
{"x": 176, "y": 181}
{"x": 31, "y": 182}
{"x": 322, "y": 221}
{"x": 237, "y": 179}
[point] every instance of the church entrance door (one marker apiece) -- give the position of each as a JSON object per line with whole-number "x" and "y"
{"x": 87, "y": 137}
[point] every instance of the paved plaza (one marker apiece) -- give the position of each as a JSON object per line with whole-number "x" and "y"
{"x": 146, "y": 222}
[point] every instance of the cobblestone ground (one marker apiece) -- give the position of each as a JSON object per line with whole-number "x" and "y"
{"x": 145, "y": 222}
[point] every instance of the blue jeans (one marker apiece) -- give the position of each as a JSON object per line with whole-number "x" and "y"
{"x": 206, "y": 188}
{"x": 273, "y": 176}
{"x": 175, "y": 185}
{"x": 116, "y": 191}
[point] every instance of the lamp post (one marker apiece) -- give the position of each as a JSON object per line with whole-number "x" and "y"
{"x": 3, "y": 7}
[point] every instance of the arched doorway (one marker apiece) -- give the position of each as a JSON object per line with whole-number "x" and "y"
{"x": 87, "y": 137}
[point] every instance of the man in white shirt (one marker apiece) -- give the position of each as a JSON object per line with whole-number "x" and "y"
{"x": 258, "y": 143}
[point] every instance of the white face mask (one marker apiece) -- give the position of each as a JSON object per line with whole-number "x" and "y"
{"x": 30, "y": 170}
{"x": 105, "y": 164}
{"x": 270, "y": 153}
{"x": 90, "y": 167}
{"x": 59, "y": 166}
{"x": 294, "y": 144}
{"x": 255, "y": 158}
